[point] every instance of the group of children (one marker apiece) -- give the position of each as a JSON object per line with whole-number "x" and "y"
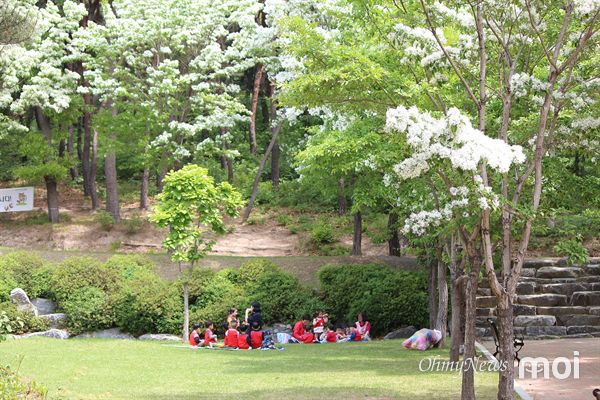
{"x": 250, "y": 335}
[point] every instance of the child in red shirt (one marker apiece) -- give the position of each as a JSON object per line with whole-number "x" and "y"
{"x": 232, "y": 335}
{"x": 209, "y": 336}
{"x": 330, "y": 335}
{"x": 300, "y": 333}
{"x": 255, "y": 338}
{"x": 318, "y": 325}
{"x": 195, "y": 338}
{"x": 243, "y": 338}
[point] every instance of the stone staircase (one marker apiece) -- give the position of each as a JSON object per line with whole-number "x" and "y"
{"x": 554, "y": 300}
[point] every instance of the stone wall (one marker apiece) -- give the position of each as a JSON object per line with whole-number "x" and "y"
{"x": 554, "y": 300}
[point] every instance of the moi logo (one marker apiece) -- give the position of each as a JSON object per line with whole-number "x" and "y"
{"x": 561, "y": 367}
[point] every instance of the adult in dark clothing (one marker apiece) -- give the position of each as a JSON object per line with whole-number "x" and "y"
{"x": 253, "y": 314}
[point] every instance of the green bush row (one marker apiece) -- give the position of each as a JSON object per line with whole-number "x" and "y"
{"x": 126, "y": 292}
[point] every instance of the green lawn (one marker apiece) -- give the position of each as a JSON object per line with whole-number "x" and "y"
{"x": 119, "y": 369}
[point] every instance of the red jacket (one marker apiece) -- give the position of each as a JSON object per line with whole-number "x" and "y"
{"x": 195, "y": 339}
{"x": 231, "y": 338}
{"x": 243, "y": 342}
{"x": 357, "y": 337}
{"x": 256, "y": 338}
{"x": 299, "y": 330}
{"x": 331, "y": 337}
{"x": 209, "y": 337}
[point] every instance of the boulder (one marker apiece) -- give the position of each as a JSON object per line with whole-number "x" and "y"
{"x": 546, "y": 330}
{"x": 558, "y": 272}
{"x": 112, "y": 333}
{"x": 20, "y": 298}
{"x": 401, "y": 333}
{"x": 528, "y": 272}
{"x": 52, "y": 333}
{"x": 535, "y": 320}
{"x": 523, "y": 309}
{"x": 543, "y": 300}
{"x": 585, "y": 299}
{"x": 564, "y": 288}
{"x": 161, "y": 337}
{"x": 281, "y": 328}
{"x": 44, "y": 306}
{"x": 55, "y": 320}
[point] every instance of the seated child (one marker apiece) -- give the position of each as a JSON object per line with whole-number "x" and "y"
{"x": 243, "y": 342}
{"x": 267, "y": 342}
{"x": 330, "y": 335}
{"x": 340, "y": 334}
{"x": 255, "y": 338}
{"x": 195, "y": 338}
{"x": 423, "y": 339}
{"x": 318, "y": 325}
{"x": 209, "y": 337}
{"x": 363, "y": 326}
{"x": 354, "y": 335}
{"x": 300, "y": 333}
{"x": 231, "y": 336}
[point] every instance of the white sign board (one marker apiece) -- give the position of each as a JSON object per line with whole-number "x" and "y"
{"x": 16, "y": 199}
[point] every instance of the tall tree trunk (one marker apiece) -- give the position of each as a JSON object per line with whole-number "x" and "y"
{"x": 394, "y": 248}
{"x": 457, "y": 334}
{"x": 93, "y": 171}
{"x": 433, "y": 294}
{"x": 342, "y": 202}
{"x": 274, "y": 134}
{"x": 506, "y": 386}
{"x": 52, "y": 199}
{"x": 112, "y": 189}
{"x": 70, "y": 149}
{"x": 86, "y": 153}
{"x": 144, "y": 189}
{"x": 275, "y": 154}
{"x": 258, "y": 77}
{"x": 357, "y": 237}
{"x": 162, "y": 172}
{"x": 442, "y": 315}
{"x": 468, "y": 376}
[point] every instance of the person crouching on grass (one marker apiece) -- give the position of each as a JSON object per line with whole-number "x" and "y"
{"x": 300, "y": 332}
{"x": 330, "y": 334}
{"x": 232, "y": 335}
{"x": 195, "y": 336}
{"x": 243, "y": 342}
{"x": 210, "y": 339}
{"x": 255, "y": 338}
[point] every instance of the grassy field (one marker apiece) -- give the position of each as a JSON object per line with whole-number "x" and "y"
{"x": 121, "y": 369}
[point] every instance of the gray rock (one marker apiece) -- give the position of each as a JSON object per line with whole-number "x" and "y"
{"x": 281, "y": 328}
{"x": 485, "y": 312}
{"x": 579, "y": 320}
{"x": 565, "y": 288}
{"x": 401, "y": 333}
{"x": 484, "y": 292}
{"x": 574, "y": 330}
{"x": 556, "y": 311}
{"x": 483, "y": 332}
{"x": 559, "y": 272}
{"x": 161, "y": 337}
{"x": 543, "y": 300}
{"x": 526, "y": 288}
{"x": 487, "y": 301}
{"x": 595, "y": 310}
{"x": 528, "y": 272}
{"x": 20, "y": 298}
{"x": 44, "y": 306}
{"x": 585, "y": 299}
{"x": 56, "y": 320}
{"x": 592, "y": 270}
{"x": 546, "y": 330}
{"x": 523, "y": 309}
{"x": 52, "y": 333}
{"x": 112, "y": 333}
{"x": 539, "y": 262}
{"x": 590, "y": 279}
{"x": 535, "y": 320}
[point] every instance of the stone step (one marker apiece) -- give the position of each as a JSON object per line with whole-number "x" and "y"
{"x": 590, "y": 279}
{"x": 558, "y": 272}
{"x": 593, "y": 270}
{"x": 565, "y": 288}
{"x": 485, "y": 312}
{"x": 594, "y": 310}
{"x": 578, "y": 320}
{"x": 523, "y": 309}
{"x": 543, "y": 300}
{"x": 526, "y": 287}
{"x": 585, "y": 299}
{"x": 536, "y": 263}
{"x": 528, "y": 273}
{"x": 546, "y": 330}
{"x": 560, "y": 311}
{"x": 535, "y": 320}
{"x": 484, "y": 291}
{"x": 573, "y": 330}
{"x": 487, "y": 301}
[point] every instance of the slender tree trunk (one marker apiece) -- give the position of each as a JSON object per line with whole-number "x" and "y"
{"x": 506, "y": 386}
{"x": 456, "y": 329}
{"x": 357, "y": 237}
{"x": 468, "y": 377}
{"x": 93, "y": 171}
{"x": 112, "y": 189}
{"x": 433, "y": 298}
{"x": 394, "y": 248}
{"x": 86, "y": 153}
{"x": 274, "y": 134}
{"x": 70, "y": 149}
{"x": 275, "y": 155}
{"x": 144, "y": 189}
{"x": 258, "y": 77}
{"x": 342, "y": 202}
{"x": 442, "y": 315}
{"x": 52, "y": 199}
{"x": 79, "y": 137}
{"x": 162, "y": 172}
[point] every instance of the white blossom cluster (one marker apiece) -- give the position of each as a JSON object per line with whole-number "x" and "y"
{"x": 586, "y": 7}
{"x": 419, "y": 222}
{"x": 451, "y": 138}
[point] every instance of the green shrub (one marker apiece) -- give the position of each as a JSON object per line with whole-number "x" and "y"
{"x": 12, "y": 386}
{"x": 88, "y": 309}
{"x": 80, "y": 272}
{"x": 106, "y": 221}
{"x": 574, "y": 250}
{"x": 148, "y": 304}
{"x": 23, "y": 266}
{"x": 133, "y": 224}
{"x": 389, "y": 298}
{"x": 284, "y": 219}
{"x": 322, "y": 233}
{"x": 251, "y": 271}
{"x": 7, "y": 283}
{"x": 20, "y": 321}
{"x": 282, "y": 297}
